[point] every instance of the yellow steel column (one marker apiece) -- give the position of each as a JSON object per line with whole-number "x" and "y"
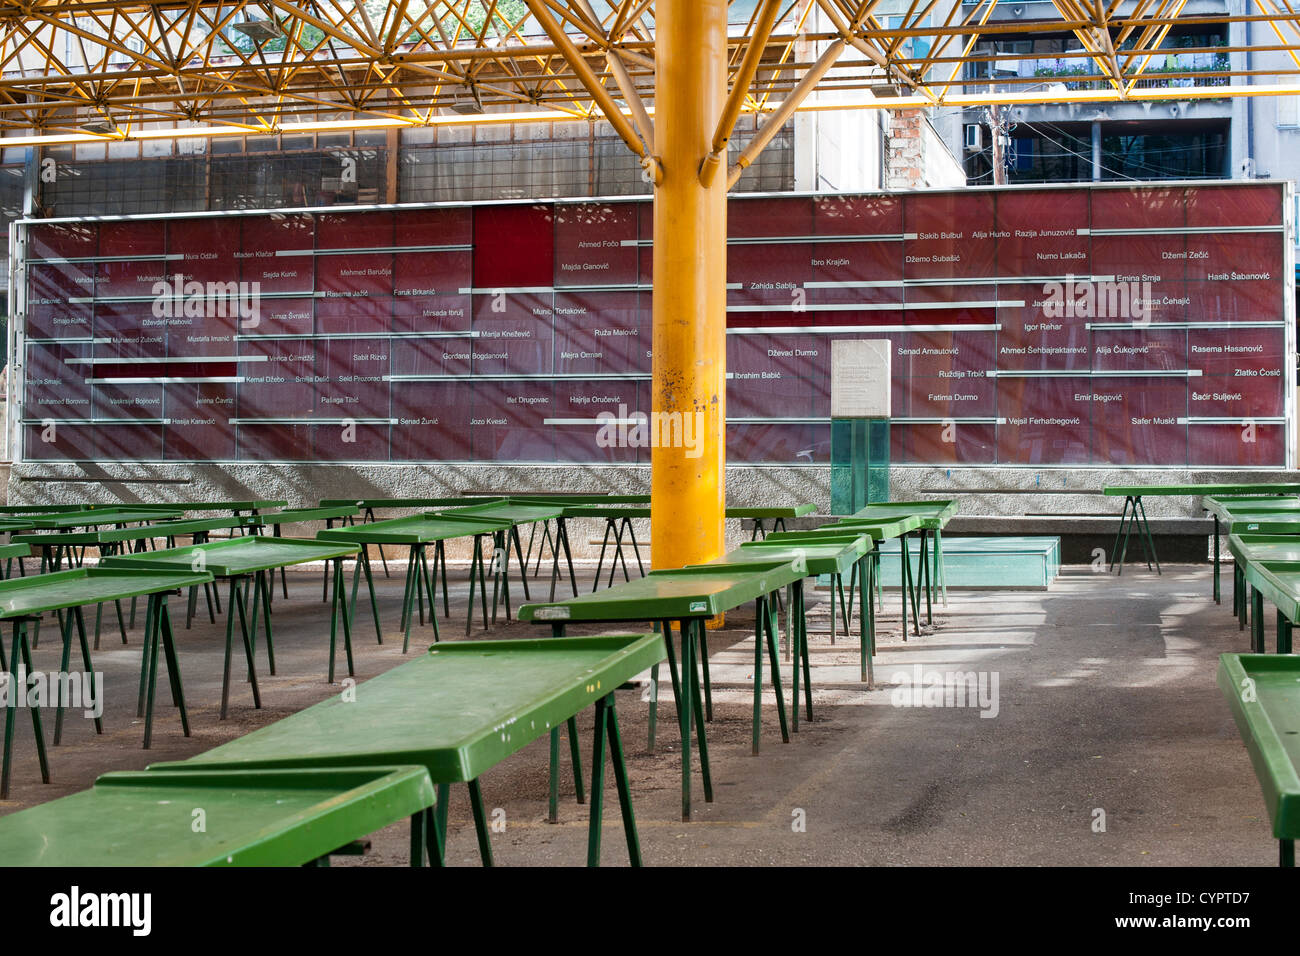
{"x": 687, "y": 481}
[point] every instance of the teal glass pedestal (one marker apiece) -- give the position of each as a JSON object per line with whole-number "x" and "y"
{"x": 859, "y": 463}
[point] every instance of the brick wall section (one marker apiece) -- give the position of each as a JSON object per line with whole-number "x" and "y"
{"x": 904, "y": 156}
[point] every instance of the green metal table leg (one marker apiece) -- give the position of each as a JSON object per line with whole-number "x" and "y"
{"x": 1114, "y": 551}
{"x": 1216, "y": 560}
{"x": 260, "y": 582}
{"x": 21, "y": 652}
{"x": 769, "y": 613}
{"x": 249, "y": 650}
{"x": 172, "y": 660}
{"x": 940, "y": 571}
{"x": 684, "y": 712}
{"x": 596, "y": 823}
{"x": 701, "y": 738}
{"x": 759, "y": 618}
{"x": 1283, "y": 633}
{"x": 553, "y": 807}
{"x": 1257, "y": 623}
{"x": 480, "y": 822}
{"x": 576, "y": 756}
{"x": 1151, "y": 538}
{"x": 620, "y": 781}
{"x": 652, "y": 720}
{"x": 1286, "y": 853}
{"x": 65, "y": 632}
{"x": 704, "y": 664}
{"x": 807, "y": 664}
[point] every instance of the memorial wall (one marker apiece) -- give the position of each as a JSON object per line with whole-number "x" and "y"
{"x": 1109, "y": 326}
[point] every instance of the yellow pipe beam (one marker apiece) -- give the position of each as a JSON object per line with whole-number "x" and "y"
{"x": 739, "y": 90}
{"x": 688, "y": 387}
{"x": 785, "y": 110}
{"x": 589, "y": 80}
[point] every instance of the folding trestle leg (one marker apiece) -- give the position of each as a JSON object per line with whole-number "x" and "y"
{"x": 765, "y": 628}
{"x": 338, "y": 608}
{"x": 20, "y": 651}
{"x": 607, "y": 728}
{"x": 74, "y": 616}
{"x": 235, "y": 604}
{"x": 575, "y": 757}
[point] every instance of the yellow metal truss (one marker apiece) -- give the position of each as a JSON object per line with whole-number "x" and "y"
{"x": 75, "y": 70}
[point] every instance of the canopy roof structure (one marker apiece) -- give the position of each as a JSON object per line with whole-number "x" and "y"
{"x": 75, "y": 70}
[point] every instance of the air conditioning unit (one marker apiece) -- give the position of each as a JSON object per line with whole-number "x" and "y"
{"x": 974, "y": 137}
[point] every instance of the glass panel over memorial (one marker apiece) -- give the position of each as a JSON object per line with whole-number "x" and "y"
{"x": 1126, "y": 325}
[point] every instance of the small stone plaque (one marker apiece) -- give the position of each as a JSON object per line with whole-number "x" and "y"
{"x": 860, "y": 378}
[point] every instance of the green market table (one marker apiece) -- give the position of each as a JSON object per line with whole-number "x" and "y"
{"x": 776, "y": 514}
{"x": 368, "y": 506}
{"x": 1276, "y": 579}
{"x": 1135, "y": 512}
{"x": 934, "y": 516}
{"x": 23, "y": 600}
{"x": 99, "y": 517}
{"x": 833, "y": 556}
{"x": 1255, "y": 524}
{"x": 877, "y": 529}
{"x": 237, "y": 560}
{"x": 1230, "y": 508}
{"x": 459, "y": 710}
{"x": 278, "y": 519}
{"x": 10, "y": 552}
{"x": 689, "y": 596}
{"x": 618, "y": 516}
{"x": 1263, "y": 692}
{"x": 60, "y": 547}
{"x": 518, "y": 513}
{"x": 417, "y": 532}
{"x": 250, "y": 818}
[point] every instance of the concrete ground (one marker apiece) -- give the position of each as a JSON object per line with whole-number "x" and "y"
{"x": 1107, "y": 719}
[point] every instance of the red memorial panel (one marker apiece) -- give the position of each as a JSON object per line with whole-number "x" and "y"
{"x": 1120, "y": 324}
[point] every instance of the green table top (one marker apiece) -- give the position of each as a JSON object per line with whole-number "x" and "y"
{"x": 612, "y": 511}
{"x": 1264, "y": 547}
{"x": 878, "y": 530}
{"x": 14, "y": 551}
{"x": 236, "y": 556}
{"x": 458, "y": 710}
{"x": 933, "y": 514}
{"x": 38, "y": 509}
{"x": 834, "y": 556}
{"x": 20, "y": 597}
{"x": 254, "y": 505}
{"x": 762, "y": 512}
{"x": 100, "y": 517}
{"x": 251, "y": 818}
{"x": 365, "y": 504}
{"x": 14, "y": 524}
{"x": 1270, "y": 726}
{"x": 1278, "y": 581}
{"x": 415, "y": 529}
{"x": 292, "y": 515}
{"x": 132, "y": 506}
{"x": 507, "y": 511}
{"x": 170, "y": 529}
{"x": 1203, "y": 490}
{"x": 701, "y": 591}
{"x": 1227, "y": 508}
{"x": 1268, "y": 522}
{"x": 112, "y": 535}
{"x": 582, "y": 499}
